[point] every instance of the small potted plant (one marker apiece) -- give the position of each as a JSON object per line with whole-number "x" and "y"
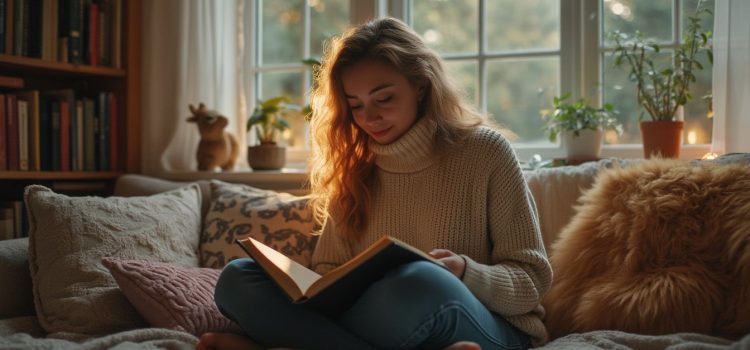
{"x": 580, "y": 126}
{"x": 663, "y": 90}
{"x": 268, "y": 120}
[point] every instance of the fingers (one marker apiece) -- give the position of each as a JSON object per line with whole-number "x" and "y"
{"x": 441, "y": 253}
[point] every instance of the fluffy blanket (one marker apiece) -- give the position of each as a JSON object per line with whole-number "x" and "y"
{"x": 657, "y": 248}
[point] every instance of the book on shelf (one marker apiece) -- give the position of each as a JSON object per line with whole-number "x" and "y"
{"x": 3, "y": 135}
{"x": 12, "y": 217}
{"x": 69, "y": 31}
{"x": 338, "y": 289}
{"x": 11, "y": 125}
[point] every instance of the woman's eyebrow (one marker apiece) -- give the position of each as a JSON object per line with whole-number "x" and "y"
{"x": 374, "y": 90}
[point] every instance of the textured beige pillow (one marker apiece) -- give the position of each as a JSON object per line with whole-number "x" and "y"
{"x": 68, "y": 236}
{"x": 280, "y": 220}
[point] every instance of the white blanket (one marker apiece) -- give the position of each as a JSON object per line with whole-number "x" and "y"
{"x": 25, "y": 333}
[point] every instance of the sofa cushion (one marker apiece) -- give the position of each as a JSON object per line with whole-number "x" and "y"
{"x": 15, "y": 294}
{"x": 132, "y": 185}
{"x": 656, "y": 248}
{"x": 280, "y": 220}
{"x": 168, "y": 296}
{"x": 68, "y": 236}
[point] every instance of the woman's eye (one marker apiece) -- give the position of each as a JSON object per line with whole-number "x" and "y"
{"x": 354, "y": 108}
{"x": 384, "y": 100}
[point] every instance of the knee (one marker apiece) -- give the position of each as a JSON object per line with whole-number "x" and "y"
{"x": 229, "y": 285}
{"x": 424, "y": 281}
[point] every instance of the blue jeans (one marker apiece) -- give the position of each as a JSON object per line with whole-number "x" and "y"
{"x": 418, "y": 305}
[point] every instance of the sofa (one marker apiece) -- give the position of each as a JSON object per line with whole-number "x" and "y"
{"x": 152, "y": 289}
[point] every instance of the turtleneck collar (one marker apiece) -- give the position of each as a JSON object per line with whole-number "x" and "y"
{"x": 412, "y": 152}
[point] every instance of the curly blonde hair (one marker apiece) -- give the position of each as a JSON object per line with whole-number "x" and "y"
{"x": 342, "y": 168}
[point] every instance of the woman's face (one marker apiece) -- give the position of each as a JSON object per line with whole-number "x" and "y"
{"x": 382, "y": 101}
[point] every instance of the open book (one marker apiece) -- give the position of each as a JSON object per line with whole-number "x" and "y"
{"x": 338, "y": 289}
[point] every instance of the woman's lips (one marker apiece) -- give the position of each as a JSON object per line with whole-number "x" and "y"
{"x": 381, "y": 133}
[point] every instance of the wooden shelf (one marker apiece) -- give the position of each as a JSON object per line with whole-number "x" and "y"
{"x": 39, "y": 66}
{"x": 59, "y": 175}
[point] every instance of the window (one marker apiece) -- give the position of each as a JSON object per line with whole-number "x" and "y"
{"x": 513, "y": 56}
{"x": 510, "y": 56}
{"x": 283, "y": 33}
{"x": 664, "y": 21}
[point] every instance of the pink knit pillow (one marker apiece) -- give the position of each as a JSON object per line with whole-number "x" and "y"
{"x": 168, "y": 296}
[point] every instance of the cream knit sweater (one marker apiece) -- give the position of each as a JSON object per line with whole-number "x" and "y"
{"x": 473, "y": 201}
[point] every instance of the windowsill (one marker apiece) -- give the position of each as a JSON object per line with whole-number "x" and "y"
{"x": 292, "y": 178}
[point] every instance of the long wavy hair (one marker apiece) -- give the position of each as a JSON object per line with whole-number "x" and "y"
{"x": 342, "y": 168}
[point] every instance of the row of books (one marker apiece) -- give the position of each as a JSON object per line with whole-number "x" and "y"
{"x": 12, "y": 221}
{"x": 72, "y": 31}
{"x": 58, "y": 130}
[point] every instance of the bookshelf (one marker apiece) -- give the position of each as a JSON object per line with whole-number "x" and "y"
{"x": 110, "y": 79}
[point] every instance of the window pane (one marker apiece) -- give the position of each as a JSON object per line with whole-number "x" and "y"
{"x": 652, "y": 17}
{"x": 282, "y": 27}
{"x": 290, "y": 85}
{"x": 697, "y": 121}
{"x": 464, "y": 72}
{"x": 328, "y": 18}
{"x": 517, "y": 25}
{"x": 518, "y": 89}
{"x": 282, "y": 84}
{"x": 448, "y": 26}
{"x": 688, "y": 9}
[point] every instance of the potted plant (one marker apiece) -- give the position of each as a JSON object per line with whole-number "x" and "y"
{"x": 268, "y": 120}
{"x": 663, "y": 90}
{"x": 580, "y": 126}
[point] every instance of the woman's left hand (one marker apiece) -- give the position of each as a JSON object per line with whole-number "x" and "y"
{"x": 454, "y": 262}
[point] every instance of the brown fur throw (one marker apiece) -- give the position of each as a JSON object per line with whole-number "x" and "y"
{"x": 660, "y": 247}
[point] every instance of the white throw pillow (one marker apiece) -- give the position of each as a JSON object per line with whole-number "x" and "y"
{"x": 68, "y": 236}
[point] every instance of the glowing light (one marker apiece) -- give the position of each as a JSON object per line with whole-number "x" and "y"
{"x": 618, "y": 9}
{"x": 432, "y": 36}
{"x": 610, "y": 137}
{"x": 709, "y": 156}
{"x": 692, "y": 137}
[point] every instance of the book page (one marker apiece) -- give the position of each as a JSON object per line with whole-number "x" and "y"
{"x": 301, "y": 275}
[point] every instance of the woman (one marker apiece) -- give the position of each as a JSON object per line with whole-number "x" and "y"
{"x": 396, "y": 151}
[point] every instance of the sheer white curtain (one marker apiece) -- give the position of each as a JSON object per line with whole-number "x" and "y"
{"x": 731, "y": 83}
{"x": 192, "y": 53}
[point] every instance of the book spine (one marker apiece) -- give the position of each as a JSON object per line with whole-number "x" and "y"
{"x": 3, "y": 133}
{"x": 11, "y": 119}
{"x": 93, "y": 34}
{"x": 34, "y": 29}
{"x": 18, "y": 28}
{"x": 80, "y": 135}
{"x": 2, "y": 25}
{"x": 23, "y": 135}
{"x": 103, "y": 133}
{"x": 56, "y": 150}
{"x": 75, "y": 35}
{"x": 9, "y": 26}
{"x": 113, "y": 129}
{"x": 7, "y": 221}
{"x": 65, "y": 133}
{"x": 45, "y": 134}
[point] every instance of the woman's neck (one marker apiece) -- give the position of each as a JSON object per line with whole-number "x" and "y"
{"x": 413, "y": 151}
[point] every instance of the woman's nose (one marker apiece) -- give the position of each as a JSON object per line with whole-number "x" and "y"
{"x": 372, "y": 114}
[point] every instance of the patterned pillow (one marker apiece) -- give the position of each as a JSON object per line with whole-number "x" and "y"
{"x": 170, "y": 296}
{"x": 280, "y": 220}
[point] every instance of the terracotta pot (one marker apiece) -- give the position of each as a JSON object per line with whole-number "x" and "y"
{"x": 584, "y": 147}
{"x": 266, "y": 157}
{"x": 662, "y": 138}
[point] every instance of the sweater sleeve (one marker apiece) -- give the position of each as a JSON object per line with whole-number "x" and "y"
{"x": 331, "y": 250}
{"x": 519, "y": 273}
